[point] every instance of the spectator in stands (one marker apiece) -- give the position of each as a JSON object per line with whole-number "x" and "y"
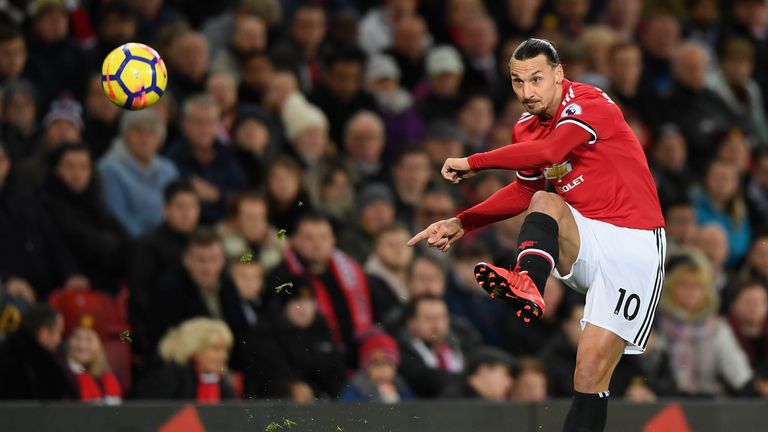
{"x": 756, "y": 191}
{"x": 377, "y": 25}
{"x": 195, "y": 355}
{"x": 387, "y": 269}
{"x": 402, "y": 122}
{"x": 733, "y": 148}
{"x": 72, "y": 194}
{"x": 625, "y": 69}
{"x": 152, "y": 16}
{"x": 134, "y": 175}
{"x": 479, "y": 42}
{"x": 436, "y": 204}
{"x": 721, "y": 202}
{"x": 56, "y": 62}
{"x": 597, "y": 41}
{"x": 300, "y": 50}
{"x": 333, "y": 194}
{"x": 748, "y": 318}
{"x": 200, "y": 156}
{"x": 340, "y": 283}
{"x": 13, "y": 301}
{"x": 445, "y": 72}
{"x": 734, "y": 84}
{"x": 88, "y": 367}
{"x": 33, "y": 256}
{"x": 559, "y": 353}
{"x": 659, "y": 39}
{"x": 187, "y": 61}
{"x": 530, "y": 381}
{"x": 101, "y": 118}
{"x": 410, "y": 42}
{"x": 306, "y": 131}
{"x": 117, "y": 24}
{"x": 249, "y": 34}
{"x": 220, "y": 29}
{"x": 521, "y": 339}
{"x": 466, "y": 299}
{"x": 431, "y": 356}
{"x": 156, "y": 253}
{"x": 623, "y": 16}
{"x": 501, "y": 239}
{"x": 315, "y": 366}
{"x": 29, "y": 368}
{"x": 674, "y": 180}
{"x": 411, "y": 175}
{"x": 681, "y": 225}
{"x": 703, "y": 349}
{"x": 364, "y": 141}
{"x": 426, "y": 276}
{"x": 222, "y": 88}
{"x": 341, "y": 93}
{"x": 377, "y": 380}
{"x": 256, "y": 70}
{"x": 13, "y": 51}
{"x": 201, "y": 287}
{"x": 255, "y": 140}
{"x": 712, "y": 241}
{"x": 19, "y": 130}
{"x": 488, "y": 375}
{"x": 63, "y": 123}
{"x": 443, "y": 139}
{"x": 375, "y": 212}
{"x": 475, "y": 118}
{"x": 246, "y": 231}
{"x": 286, "y": 196}
{"x": 691, "y": 104}
{"x": 756, "y": 265}
{"x": 749, "y": 21}
{"x": 572, "y": 16}
{"x": 248, "y": 278}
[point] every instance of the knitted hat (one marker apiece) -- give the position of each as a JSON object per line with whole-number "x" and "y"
{"x": 299, "y": 115}
{"x": 378, "y": 348}
{"x": 444, "y": 59}
{"x": 65, "y": 109}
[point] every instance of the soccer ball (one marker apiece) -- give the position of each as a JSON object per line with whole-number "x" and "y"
{"x": 133, "y": 76}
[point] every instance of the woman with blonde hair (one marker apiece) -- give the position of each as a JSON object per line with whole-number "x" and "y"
{"x": 195, "y": 355}
{"x": 87, "y": 363}
{"x": 703, "y": 350}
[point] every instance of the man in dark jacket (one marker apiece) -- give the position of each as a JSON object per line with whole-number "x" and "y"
{"x": 431, "y": 358}
{"x": 200, "y": 288}
{"x": 156, "y": 253}
{"x": 488, "y": 376}
{"x": 29, "y": 368}
{"x": 32, "y": 253}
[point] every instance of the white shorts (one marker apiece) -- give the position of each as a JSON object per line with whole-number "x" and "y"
{"x": 621, "y": 270}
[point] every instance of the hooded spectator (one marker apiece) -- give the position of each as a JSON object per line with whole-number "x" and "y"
{"x": 377, "y": 379}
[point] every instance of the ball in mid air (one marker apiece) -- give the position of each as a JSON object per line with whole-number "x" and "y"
{"x": 133, "y": 76}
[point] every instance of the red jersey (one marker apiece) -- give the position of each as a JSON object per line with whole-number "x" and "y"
{"x": 587, "y": 152}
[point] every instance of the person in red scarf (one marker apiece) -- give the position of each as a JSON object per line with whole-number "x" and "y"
{"x": 195, "y": 355}
{"x": 89, "y": 368}
{"x": 340, "y": 284}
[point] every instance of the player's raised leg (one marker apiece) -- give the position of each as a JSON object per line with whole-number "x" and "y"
{"x": 598, "y": 354}
{"x": 549, "y": 238}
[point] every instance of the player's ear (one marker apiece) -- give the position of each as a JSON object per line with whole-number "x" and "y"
{"x": 559, "y": 74}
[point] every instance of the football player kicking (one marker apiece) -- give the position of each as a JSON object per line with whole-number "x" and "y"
{"x": 602, "y": 232}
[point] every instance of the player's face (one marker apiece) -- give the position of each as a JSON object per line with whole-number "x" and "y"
{"x": 537, "y": 84}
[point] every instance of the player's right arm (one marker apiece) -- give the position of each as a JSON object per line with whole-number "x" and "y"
{"x": 507, "y": 202}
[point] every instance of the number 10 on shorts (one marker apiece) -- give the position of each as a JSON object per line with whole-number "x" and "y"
{"x": 630, "y": 307}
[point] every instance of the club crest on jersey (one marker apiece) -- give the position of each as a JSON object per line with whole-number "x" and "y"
{"x": 558, "y": 171}
{"x": 572, "y": 109}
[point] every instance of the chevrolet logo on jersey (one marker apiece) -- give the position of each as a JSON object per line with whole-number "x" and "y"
{"x": 558, "y": 171}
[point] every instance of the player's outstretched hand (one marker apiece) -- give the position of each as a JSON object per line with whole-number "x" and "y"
{"x": 441, "y": 234}
{"x": 456, "y": 169}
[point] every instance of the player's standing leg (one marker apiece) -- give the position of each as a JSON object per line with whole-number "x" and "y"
{"x": 598, "y": 354}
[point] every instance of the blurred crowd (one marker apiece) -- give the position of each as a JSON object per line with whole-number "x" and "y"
{"x": 246, "y": 236}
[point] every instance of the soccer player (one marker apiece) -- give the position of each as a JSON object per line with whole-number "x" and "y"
{"x": 602, "y": 232}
